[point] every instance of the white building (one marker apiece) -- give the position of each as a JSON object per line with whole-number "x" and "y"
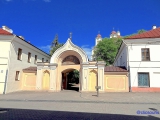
{"x": 15, "y": 55}
{"x": 97, "y": 40}
{"x": 140, "y": 55}
{"x": 115, "y": 34}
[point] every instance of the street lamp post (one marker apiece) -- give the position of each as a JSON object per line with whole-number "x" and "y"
{"x": 97, "y": 87}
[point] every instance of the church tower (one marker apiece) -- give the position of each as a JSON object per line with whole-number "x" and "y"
{"x": 97, "y": 40}
{"x": 115, "y": 34}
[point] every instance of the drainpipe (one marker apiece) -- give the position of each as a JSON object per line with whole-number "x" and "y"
{"x": 6, "y": 78}
{"x": 128, "y": 68}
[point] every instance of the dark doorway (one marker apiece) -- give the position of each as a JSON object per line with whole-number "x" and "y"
{"x": 70, "y": 80}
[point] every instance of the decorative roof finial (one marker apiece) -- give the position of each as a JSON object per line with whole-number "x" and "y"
{"x": 70, "y": 34}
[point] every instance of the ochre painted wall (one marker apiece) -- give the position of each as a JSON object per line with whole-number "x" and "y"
{"x": 45, "y": 81}
{"x": 92, "y": 80}
{"x": 116, "y": 83}
{"x": 29, "y": 81}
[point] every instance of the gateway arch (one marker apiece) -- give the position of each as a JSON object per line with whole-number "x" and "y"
{"x": 67, "y": 58}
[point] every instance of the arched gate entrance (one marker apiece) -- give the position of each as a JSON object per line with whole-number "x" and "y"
{"x": 67, "y": 58}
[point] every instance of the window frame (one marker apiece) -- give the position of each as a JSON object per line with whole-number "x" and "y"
{"x": 35, "y": 59}
{"x": 148, "y": 79}
{"x": 17, "y": 77}
{"x": 29, "y": 57}
{"x": 145, "y": 54}
{"x": 19, "y": 55}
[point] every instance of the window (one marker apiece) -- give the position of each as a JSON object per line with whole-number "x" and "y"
{"x": 29, "y": 57}
{"x": 19, "y": 57}
{"x": 35, "y": 59}
{"x": 17, "y": 75}
{"x": 145, "y": 54}
{"x": 143, "y": 79}
{"x": 42, "y": 59}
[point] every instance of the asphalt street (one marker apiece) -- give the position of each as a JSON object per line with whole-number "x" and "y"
{"x": 69, "y": 105}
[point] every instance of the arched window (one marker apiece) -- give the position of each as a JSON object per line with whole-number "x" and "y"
{"x": 70, "y": 60}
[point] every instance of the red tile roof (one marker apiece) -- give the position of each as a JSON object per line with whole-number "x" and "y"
{"x": 115, "y": 69}
{"x": 4, "y": 32}
{"x": 154, "y": 33}
{"x": 98, "y": 36}
{"x": 113, "y": 32}
{"x": 30, "y": 69}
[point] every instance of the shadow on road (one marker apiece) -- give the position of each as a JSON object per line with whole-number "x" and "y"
{"x": 27, "y": 114}
{"x": 73, "y": 86}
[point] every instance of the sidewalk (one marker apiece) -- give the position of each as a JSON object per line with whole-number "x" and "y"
{"x": 73, "y": 96}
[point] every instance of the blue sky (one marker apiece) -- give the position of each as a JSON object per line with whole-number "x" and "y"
{"x": 39, "y": 20}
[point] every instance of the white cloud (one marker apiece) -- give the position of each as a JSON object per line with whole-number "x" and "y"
{"x": 45, "y": 48}
{"x": 47, "y": 0}
{"x": 88, "y": 50}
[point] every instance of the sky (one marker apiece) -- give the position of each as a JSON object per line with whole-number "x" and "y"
{"x": 38, "y": 21}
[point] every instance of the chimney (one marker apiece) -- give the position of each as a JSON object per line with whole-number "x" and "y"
{"x": 154, "y": 27}
{"x": 7, "y": 29}
{"x": 21, "y": 37}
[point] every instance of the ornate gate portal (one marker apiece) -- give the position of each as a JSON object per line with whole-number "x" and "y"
{"x": 67, "y": 58}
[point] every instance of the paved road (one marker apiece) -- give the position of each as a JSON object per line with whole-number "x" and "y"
{"x": 69, "y": 105}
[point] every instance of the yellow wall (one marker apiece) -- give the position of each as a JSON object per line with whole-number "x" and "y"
{"x": 116, "y": 83}
{"x": 92, "y": 80}
{"x": 45, "y": 81}
{"x": 29, "y": 81}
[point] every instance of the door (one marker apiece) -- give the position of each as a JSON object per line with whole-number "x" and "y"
{"x": 3, "y": 76}
{"x": 92, "y": 80}
{"x": 64, "y": 81}
{"x": 45, "y": 82}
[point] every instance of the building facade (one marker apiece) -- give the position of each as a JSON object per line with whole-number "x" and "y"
{"x": 53, "y": 76}
{"x": 15, "y": 55}
{"x": 138, "y": 54}
{"x": 25, "y": 67}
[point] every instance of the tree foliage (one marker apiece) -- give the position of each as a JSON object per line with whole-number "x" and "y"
{"x": 141, "y": 31}
{"x": 107, "y": 49}
{"x": 138, "y": 32}
{"x": 55, "y": 45}
{"x": 55, "y": 48}
{"x": 74, "y": 76}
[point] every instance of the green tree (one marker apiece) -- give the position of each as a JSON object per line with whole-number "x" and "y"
{"x": 138, "y": 32}
{"x": 141, "y": 31}
{"x": 55, "y": 48}
{"x": 107, "y": 49}
{"x": 74, "y": 76}
{"x": 55, "y": 45}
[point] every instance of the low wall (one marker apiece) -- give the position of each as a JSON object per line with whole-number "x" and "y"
{"x": 29, "y": 81}
{"x": 116, "y": 83}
